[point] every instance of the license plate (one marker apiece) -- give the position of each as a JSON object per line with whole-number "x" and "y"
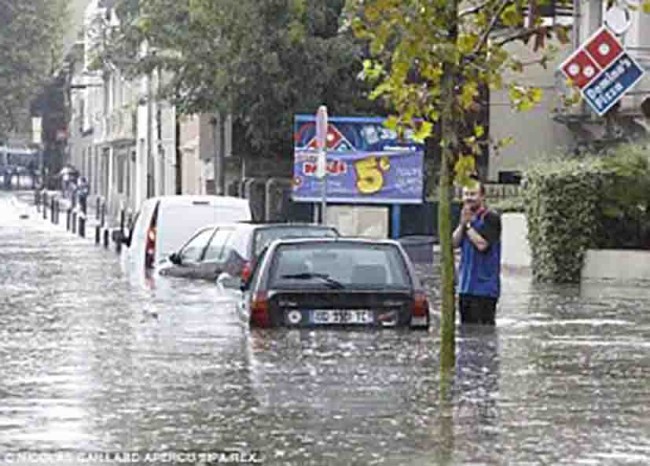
{"x": 342, "y": 316}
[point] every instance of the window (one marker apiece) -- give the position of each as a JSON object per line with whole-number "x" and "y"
{"x": 265, "y": 236}
{"x": 217, "y": 251}
{"x": 121, "y": 168}
{"x": 365, "y": 266}
{"x": 193, "y": 250}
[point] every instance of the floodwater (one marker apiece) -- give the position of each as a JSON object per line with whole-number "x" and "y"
{"x": 92, "y": 360}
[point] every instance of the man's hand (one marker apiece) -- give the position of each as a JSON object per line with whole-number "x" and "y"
{"x": 466, "y": 215}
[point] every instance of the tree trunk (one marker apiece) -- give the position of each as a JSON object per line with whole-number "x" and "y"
{"x": 449, "y": 144}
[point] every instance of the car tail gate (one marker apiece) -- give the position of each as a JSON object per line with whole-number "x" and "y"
{"x": 336, "y": 307}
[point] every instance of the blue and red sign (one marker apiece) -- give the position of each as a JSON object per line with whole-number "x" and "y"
{"x": 366, "y": 163}
{"x": 602, "y": 70}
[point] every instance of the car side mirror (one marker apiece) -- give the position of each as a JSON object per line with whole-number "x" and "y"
{"x": 228, "y": 281}
{"x": 175, "y": 258}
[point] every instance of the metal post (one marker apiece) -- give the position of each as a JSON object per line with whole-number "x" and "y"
{"x": 118, "y": 244}
{"x": 82, "y": 217}
{"x": 323, "y": 202}
{"x": 44, "y": 205}
{"x": 68, "y": 218}
{"x": 396, "y": 214}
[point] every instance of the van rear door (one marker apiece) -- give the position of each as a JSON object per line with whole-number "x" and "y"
{"x": 177, "y": 222}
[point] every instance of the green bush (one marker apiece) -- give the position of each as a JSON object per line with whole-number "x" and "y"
{"x": 624, "y": 213}
{"x": 507, "y": 205}
{"x": 575, "y": 205}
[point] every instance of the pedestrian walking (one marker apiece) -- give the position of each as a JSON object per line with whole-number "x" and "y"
{"x": 478, "y": 236}
{"x": 82, "y": 190}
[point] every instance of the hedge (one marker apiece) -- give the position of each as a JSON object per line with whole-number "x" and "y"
{"x": 575, "y": 205}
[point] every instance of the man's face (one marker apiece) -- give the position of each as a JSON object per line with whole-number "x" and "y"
{"x": 472, "y": 197}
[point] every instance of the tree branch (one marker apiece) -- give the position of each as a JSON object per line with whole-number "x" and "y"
{"x": 474, "y": 9}
{"x": 523, "y": 34}
{"x": 493, "y": 22}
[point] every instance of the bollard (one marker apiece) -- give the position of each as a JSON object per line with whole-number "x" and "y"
{"x": 82, "y": 217}
{"x": 68, "y": 218}
{"x": 97, "y": 233}
{"x": 37, "y": 200}
{"x": 52, "y": 213}
{"x": 44, "y": 205}
{"x": 118, "y": 244}
{"x": 103, "y": 215}
{"x": 56, "y": 212}
{"x": 106, "y": 243}
{"x": 74, "y": 221}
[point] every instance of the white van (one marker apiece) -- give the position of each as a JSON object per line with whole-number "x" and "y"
{"x": 164, "y": 223}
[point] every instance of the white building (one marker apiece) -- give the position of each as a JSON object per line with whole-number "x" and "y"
{"x": 550, "y": 128}
{"x": 124, "y": 136}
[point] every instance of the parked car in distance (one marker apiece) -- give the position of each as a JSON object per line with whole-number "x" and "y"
{"x": 233, "y": 248}
{"x": 164, "y": 223}
{"x": 331, "y": 282}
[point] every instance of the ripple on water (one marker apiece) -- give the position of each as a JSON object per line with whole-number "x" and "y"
{"x": 94, "y": 358}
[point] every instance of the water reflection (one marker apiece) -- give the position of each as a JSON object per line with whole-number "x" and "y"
{"x": 476, "y": 388}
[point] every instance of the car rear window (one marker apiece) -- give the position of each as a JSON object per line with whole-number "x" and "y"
{"x": 265, "y": 236}
{"x": 353, "y": 266}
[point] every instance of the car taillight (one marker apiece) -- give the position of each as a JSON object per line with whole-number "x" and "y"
{"x": 260, "y": 310}
{"x": 150, "y": 250}
{"x": 420, "y": 305}
{"x": 246, "y": 271}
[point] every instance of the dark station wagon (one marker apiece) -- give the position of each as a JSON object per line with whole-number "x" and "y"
{"x": 335, "y": 282}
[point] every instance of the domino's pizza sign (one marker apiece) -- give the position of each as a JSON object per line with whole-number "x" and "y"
{"x": 602, "y": 70}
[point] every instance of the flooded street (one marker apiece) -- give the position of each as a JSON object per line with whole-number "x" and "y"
{"x": 92, "y": 359}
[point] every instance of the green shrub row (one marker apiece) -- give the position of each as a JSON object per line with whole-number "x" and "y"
{"x": 575, "y": 205}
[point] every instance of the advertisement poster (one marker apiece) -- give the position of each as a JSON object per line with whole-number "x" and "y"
{"x": 366, "y": 163}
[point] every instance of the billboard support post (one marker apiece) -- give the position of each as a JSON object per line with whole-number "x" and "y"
{"x": 321, "y": 141}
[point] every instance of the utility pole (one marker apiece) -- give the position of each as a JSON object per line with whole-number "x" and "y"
{"x": 219, "y": 152}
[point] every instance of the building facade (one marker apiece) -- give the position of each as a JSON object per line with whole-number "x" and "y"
{"x": 551, "y": 127}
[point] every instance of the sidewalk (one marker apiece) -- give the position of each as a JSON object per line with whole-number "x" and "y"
{"x": 72, "y": 218}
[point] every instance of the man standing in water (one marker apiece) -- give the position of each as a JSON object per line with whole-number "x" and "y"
{"x": 478, "y": 236}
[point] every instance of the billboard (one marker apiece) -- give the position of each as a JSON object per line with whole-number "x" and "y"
{"x": 366, "y": 163}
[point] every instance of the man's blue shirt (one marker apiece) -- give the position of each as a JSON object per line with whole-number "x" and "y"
{"x": 480, "y": 272}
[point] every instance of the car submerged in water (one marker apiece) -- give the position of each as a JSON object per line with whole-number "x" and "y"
{"x": 233, "y": 248}
{"x": 335, "y": 282}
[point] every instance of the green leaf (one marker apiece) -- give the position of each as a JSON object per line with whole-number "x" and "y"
{"x": 479, "y": 131}
{"x": 536, "y": 94}
{"x": 646, "y": 7}
{"x": 468, "y": 93}
{"x": 466, "y": 43}
{"x": 463, "y": 168}
{"x": 423, "y": 131}
{"x": 511, "y": 16}
{"x": 391, "y": 122}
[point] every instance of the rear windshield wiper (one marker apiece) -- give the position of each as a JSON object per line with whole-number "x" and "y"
{"x": 335, "y": 284}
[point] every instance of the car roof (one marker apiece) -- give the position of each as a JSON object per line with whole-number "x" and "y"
{"x": 250, "y": 226}
{"x": 337, "y": 240}
{"x": 189, "y": 199}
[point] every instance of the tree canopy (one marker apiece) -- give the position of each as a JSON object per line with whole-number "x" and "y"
{"x": 30, "y": 38}
{"x": 262, "y": 62}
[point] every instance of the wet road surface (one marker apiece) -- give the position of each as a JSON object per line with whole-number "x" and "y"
{"x": 95, "y": 359}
